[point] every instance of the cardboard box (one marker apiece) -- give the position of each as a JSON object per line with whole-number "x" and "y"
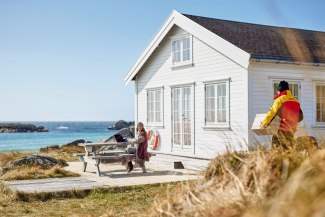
{"x": 269, "y": 130}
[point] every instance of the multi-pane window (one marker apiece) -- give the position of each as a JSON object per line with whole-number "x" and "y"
{"x": 320, "y": 103}
{"x": 216, "y": 103}
{"x": 181, "y": 50}
{"x": 154, "y": 106}
{"x": 294, "y": 87}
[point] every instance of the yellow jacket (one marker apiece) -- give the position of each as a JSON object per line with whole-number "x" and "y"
{"x": 288, "y": 108}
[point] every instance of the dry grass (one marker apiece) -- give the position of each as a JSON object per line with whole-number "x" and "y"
{"x": 118, "y": 201}
{"x": 252, "y": 184}
{"x": 65, "y": 153}
{"x": 36, "y": 172}
{"x": 7, "y": 157}
{"x": 301, "y": 196}
{"x": 6, "y": 196}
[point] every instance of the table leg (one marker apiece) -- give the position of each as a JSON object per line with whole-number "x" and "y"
{"x": 97, "y": 166}
{"x": 84, "y": 166}
{"x": 82, "y": 159}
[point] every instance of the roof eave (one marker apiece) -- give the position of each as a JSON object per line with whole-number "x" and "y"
{"x": 284, "y": 60}
{"x": 228, "y": 49}
{"x": 151, "y": 46}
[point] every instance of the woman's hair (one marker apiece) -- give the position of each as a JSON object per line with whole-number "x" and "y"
{"x": 143, "y": 130}
{"x": 140, "y": 123}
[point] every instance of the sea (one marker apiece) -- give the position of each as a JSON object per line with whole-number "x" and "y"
{"x": 59, "y": 133}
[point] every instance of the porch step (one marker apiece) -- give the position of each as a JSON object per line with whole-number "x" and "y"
{"x": 188, "y": 163}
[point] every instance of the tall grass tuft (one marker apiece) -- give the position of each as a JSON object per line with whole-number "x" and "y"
{"x": 36, "y": 172}
{"x": 258, "y": 183}
{"x": 7, "y": 157}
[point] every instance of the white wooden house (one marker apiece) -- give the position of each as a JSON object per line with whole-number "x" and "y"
{"x": 200, "y": 82}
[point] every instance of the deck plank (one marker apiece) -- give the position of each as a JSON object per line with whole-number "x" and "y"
{"x": 53, "y": 184}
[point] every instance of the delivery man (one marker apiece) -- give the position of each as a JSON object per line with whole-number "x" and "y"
{"x": 288, "y": 109}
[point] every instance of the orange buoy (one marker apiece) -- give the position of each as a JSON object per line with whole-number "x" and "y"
{"x": 153, "y": 139}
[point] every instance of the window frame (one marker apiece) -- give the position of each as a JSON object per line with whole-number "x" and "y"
{"x": 180, "y": 38}
{"x": 317, "y": 123}
{"x": 155, "y": 123}
{"x": 298, "y": 82}
{"x": 216, "y": 124}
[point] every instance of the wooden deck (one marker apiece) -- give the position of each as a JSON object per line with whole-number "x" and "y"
{"x": 160, "y": 169}
{"x": 53, "y": 184}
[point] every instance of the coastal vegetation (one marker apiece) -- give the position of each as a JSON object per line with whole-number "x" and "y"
{"x": 11, "y": 170}
{"x": 258, "y": 183}
{"x": 37, "y": 172}
{"x": 254, "y": 184}
{"x": 21, "y": 128}
{"x": 117, "y": 201}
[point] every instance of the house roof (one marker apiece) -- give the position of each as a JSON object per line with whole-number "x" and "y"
{"x": 228, "y": 49}
{"x": 241, "y": 42}
{"x": 269, "y": 42}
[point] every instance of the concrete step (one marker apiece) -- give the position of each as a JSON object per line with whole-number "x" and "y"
{"x": 189, "y": 163}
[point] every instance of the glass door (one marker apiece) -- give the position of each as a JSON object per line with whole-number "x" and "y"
{"x": 182, "y": 117}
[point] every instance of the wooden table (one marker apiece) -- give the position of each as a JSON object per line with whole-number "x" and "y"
{"x": 93, "y": 157}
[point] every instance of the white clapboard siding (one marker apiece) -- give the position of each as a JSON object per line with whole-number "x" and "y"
{"x": 209, "y": 65}
{"x": 261, "y": 76}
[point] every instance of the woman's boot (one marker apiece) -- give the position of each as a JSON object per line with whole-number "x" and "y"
{"x": 144, "y": 170}
{"x": 130, "y": 166}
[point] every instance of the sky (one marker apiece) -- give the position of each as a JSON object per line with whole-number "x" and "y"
{"x": 65, "y": 60}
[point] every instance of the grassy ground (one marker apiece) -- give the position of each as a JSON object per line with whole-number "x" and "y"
{"x": 126, "y": 201}
{"x": 242, "y": 184}
{"x": 119, "y": 201}
{"x": 36, "y": 172}
{"x": 65, "y": 153}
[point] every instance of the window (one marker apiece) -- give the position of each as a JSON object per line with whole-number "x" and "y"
{"x": 155, "y": 106}
{"x": 216, "y": 104}
{"x": 320, "y": 103}
{"x": 293, "y": 86}
{"x": 182, "y": 50}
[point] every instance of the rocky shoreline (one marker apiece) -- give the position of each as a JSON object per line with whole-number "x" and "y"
{"x": 21, "y": 128}
{"x": 120, "y": 125}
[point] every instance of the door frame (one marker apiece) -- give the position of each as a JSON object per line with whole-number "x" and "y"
{"x": 176, "y": 148}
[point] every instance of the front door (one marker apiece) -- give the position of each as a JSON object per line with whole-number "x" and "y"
{"x": 182, "y": 117}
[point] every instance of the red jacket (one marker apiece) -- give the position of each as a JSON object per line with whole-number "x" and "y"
{"x": 288, "y": 108}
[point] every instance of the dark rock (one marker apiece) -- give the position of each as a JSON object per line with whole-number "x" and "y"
{"x": 20, "y": 128}
{"x": 124, "y": 133}
{"x": 38, "y": 160}
{"x": 75, "y": 143}
{"x": 121, "y": 124}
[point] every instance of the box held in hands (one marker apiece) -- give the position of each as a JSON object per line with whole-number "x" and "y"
{"x": 271, "y": 129}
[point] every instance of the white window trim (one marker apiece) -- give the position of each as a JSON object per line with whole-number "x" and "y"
{"x": 316, "y": 123}
{"x": 161, "y": 123}
{"x": 182, "y": 63}
{"x": 292, "y": 81}
{"x": 216, "y": 125}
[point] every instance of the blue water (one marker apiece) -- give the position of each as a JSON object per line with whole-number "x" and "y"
{"x": 60, "y": 133}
